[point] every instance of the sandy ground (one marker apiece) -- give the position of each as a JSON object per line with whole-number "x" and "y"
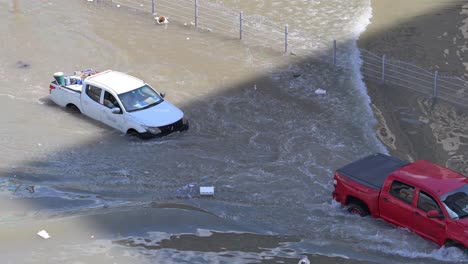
{"x": 426, "y": 33}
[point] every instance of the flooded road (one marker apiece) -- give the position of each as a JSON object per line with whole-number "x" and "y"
{"x": 258, "y": 133}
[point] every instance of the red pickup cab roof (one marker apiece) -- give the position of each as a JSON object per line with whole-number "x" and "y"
{"x": 430, "y": 176}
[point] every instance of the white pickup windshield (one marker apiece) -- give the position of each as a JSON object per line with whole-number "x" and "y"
{"x": 141, "y": 98}
{"x": 456, "y": 202}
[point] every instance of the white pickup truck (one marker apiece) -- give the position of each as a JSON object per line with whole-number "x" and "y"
{"x": 119, "y": 100}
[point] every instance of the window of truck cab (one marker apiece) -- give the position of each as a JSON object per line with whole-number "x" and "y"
{"x": 140, "y": 98}
{"x": 427, "y": 203}
{"x": 456, "y": 202}
{"x": 110, "y": 101}
{"x": 94, "y": 92}
{"x": 402, "y": 191}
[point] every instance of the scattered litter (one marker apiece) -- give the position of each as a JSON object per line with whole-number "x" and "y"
{"x": 43, "y": 234}
{"x": 320, "y": 91}
{"x": 292, "y": 53}
{"x": 304, "y": 260}
{"x": 90, "y": 0}
{"x": 207, "y": 190}
{"x": 188, "y": 38}
{"x": 295, "y": 75}
{"x": 30, "y": 189}
{"x": 22, "y": 65}
{"x": 162, "y": 20}
{"x": 186, "y": 190}
{"x": 255, "y": 87}
{"x": 118, "y": 5}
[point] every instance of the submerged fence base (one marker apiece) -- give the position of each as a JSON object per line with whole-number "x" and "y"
{"x": 215, "y": 17}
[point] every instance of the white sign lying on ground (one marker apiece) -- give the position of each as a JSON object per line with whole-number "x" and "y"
{"x": 43, "y": 234}
{"x": 207, "y": 190}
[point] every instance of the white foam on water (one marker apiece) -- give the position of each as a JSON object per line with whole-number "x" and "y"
{"x": 448, "y": 255}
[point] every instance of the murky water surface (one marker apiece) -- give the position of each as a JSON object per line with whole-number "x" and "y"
{"x": 259, "y": 134}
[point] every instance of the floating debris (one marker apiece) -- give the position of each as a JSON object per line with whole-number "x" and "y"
{"x": 207, "y": 190}
{"x": 320, "y": 91}
{"x": 162, "y": 20}
{"x": 22, "y": 65}
{"x": 30, "y": 189}
{"x": 43, "y": 234}
{"x": 186, "y": 190}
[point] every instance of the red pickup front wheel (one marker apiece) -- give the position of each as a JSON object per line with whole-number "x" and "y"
{"x": 355, "y": 208}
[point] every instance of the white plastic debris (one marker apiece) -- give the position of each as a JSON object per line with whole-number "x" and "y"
{"x": 43, "y": 234}
{"x": 320, "y": 91}
{"x": 207, "y": 190}
{"x": 304, "y": 260}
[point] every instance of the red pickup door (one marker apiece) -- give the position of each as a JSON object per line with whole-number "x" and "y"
{"x": 426, "y": 198}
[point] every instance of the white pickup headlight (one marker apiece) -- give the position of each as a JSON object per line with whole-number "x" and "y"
{"x": 152, "y": 130}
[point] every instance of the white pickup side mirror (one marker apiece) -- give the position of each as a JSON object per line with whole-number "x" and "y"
{"x": 116, "y": 110}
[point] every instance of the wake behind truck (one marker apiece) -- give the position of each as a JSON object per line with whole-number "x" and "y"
{"x": 421, "y": 196}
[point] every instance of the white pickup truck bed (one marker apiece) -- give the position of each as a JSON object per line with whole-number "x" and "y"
{"x": 75, "y": 87}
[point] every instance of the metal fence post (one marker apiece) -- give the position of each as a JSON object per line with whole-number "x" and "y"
{"x": 152, "y": 7}
{"x": 286, "y": 38}
{"x": 334, "y": 52}
{"x": 240, "y": 24}
{"x": 383, "y": 68}
{"x": 196, "y": 14}
{"x": 436, "y": 76}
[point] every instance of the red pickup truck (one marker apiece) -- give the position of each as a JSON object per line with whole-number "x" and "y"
{"x": 426, "y": 198}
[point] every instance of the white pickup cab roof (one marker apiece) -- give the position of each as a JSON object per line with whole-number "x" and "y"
{"x": 119, "y": 82}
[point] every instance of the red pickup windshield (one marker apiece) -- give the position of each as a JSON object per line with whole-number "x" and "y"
{"x": 456, "y": 202}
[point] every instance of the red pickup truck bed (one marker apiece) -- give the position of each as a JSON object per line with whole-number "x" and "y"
{"x": 372, "y": 170}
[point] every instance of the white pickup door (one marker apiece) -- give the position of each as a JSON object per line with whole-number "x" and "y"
{"x": 98, "y": 103}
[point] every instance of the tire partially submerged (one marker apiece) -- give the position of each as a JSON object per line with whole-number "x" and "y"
{"x": 358, "y": 209}
{"x": 73, "y": 108}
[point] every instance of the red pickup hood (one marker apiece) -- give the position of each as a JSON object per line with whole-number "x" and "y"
{"x": 464, "y": 223}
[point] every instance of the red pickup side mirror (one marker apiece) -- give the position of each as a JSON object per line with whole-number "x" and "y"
{"x": 434, "y": 214}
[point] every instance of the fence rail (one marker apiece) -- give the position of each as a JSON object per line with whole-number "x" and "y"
{"x": 206, "y": 15}
{"x": 383, "y": 70}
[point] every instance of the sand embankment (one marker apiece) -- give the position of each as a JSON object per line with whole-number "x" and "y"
{"x": 430, "y": 35}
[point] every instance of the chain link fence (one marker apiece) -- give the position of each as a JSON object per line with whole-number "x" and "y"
{"x": 213, "y": 17}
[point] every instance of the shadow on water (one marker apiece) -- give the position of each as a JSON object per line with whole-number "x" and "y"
{"x": 125, "y": 190}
